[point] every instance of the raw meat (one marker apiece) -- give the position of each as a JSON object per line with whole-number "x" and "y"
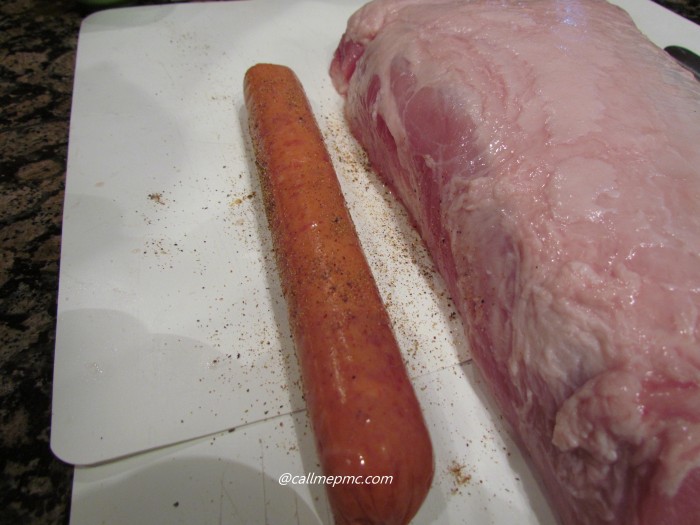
{"x": 549, "y": 155}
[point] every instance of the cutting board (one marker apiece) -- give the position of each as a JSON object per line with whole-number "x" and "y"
{"x": 171, "y": 324}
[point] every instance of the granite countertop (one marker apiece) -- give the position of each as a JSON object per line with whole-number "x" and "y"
{"x": 38, "y": 40}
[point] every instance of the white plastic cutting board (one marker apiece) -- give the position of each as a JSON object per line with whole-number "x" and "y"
{"x": 171, "y": 327}
{"x": 171, "y": 323}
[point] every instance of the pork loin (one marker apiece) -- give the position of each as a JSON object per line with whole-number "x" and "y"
{"x": 549, "y": 155}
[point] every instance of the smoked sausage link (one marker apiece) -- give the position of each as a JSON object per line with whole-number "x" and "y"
{"x": 364, "y": 412}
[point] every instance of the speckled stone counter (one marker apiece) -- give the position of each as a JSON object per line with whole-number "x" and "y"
{"x": 38, "y": 39}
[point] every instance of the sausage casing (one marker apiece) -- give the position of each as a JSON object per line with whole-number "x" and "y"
{"x": 364, "y": 412}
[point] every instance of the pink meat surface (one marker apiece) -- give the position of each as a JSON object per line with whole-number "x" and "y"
{"x": 549, "y": 155}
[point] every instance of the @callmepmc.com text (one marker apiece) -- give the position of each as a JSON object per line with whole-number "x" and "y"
{"x": 315, "y": 479}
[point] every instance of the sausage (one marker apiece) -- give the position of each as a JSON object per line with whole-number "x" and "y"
{"x": 364, "y": 412}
